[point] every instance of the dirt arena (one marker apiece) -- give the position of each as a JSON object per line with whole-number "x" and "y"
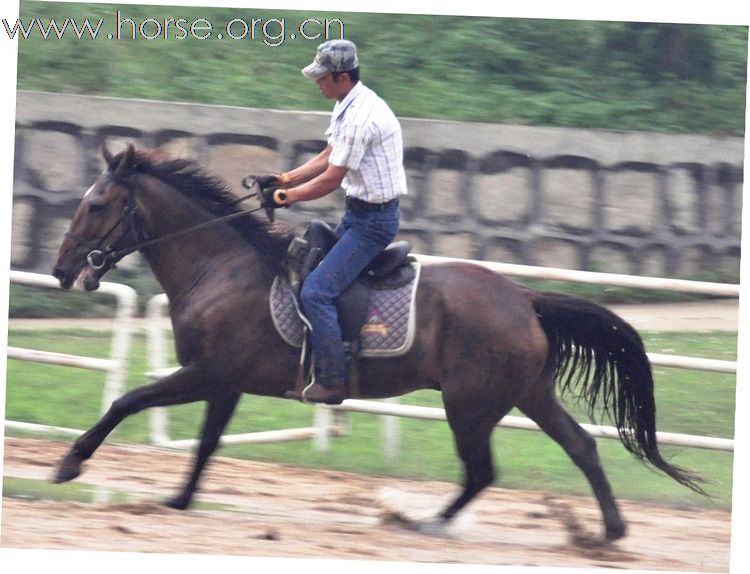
{"x": 281, "y": 511}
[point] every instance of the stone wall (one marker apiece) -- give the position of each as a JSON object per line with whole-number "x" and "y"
{"x": 621, "y": 202}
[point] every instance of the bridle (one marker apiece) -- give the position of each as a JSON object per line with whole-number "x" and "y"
{"x": 103, "y": 257}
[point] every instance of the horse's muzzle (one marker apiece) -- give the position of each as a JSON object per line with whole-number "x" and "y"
{"x": 66, "y": 279}
{"x": 91, "y": 280}
{"x": 81, "y": 276}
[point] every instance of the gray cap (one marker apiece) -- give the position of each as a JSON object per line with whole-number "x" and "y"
{"x": 332, "y": 56}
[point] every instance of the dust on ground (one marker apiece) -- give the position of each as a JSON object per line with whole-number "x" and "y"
{"x": 283, "y": 511}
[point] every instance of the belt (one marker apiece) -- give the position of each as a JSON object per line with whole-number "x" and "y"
{"x": 359, "y": 206}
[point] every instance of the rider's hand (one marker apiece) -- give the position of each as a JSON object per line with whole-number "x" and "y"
{"x": 272, "y": 181}
{"x": 273, "y": 198}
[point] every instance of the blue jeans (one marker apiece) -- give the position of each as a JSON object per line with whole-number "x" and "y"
{"x": 361, "y": 237}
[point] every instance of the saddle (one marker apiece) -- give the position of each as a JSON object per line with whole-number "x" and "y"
{"x": 392, "y": 269}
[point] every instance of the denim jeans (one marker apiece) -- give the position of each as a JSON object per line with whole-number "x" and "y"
{"x": 362, "y": 236}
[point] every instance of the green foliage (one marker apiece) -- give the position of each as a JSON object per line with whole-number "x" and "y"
{"x": 612, "y": 75}
{"x": 609, "y": 295}
{"x": 27, "y": 302}
{"x": 33, "y": 302}
{"x": 41, "y": 302}
{"x": 687, "y": 402}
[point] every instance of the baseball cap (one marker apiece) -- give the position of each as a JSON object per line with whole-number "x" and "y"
{"x": 332, "y": 56}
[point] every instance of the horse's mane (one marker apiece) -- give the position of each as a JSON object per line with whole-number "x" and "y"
{"x": 215, "y": 196}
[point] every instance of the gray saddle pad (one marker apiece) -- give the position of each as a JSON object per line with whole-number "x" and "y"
{"x": 388, "y": 330}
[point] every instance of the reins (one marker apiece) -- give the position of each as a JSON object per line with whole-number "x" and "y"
{"x": 99, "y": 258}
{"x": 148, "y": 243}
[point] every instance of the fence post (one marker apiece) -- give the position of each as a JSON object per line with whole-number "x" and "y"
{"x": 122, "y": 327}
{"x": 115, "y": 367}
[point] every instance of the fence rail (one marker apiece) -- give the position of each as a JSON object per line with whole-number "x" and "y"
{"x": 115, "y": 367}
{"x": 327, "y": 425}
{"x": 595, "y": 278}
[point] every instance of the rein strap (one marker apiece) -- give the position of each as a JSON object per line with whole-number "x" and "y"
{"x": 100, "y": 257}
{"x": 148, "y": 243}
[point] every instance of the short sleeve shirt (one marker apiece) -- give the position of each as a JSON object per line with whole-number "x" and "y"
{"x": 365, "y": 137}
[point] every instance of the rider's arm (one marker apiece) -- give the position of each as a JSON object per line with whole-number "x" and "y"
{"x": 329, "y": 180}
{"x": 308, "y": 170}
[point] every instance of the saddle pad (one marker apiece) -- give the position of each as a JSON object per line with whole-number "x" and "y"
{"x": 388, "y": 330}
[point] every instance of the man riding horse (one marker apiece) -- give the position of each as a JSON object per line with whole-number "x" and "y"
{"x": 364, "y": 156}
{"x": 486, "y": 344}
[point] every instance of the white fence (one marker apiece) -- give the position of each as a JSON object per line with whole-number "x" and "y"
{"x": 328, "y": 421}
{"x": 320, "y": 431}
{"x": 115, "y": 366}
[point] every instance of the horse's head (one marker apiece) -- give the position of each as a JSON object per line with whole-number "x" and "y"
{"x": 103, "y": 222}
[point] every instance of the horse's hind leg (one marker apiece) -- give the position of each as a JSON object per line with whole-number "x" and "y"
{"x": 183, "y": 386}
{"x": 554, "y": 420}
{"x": 218, "y": 413}
{"x": 472, "y": 429}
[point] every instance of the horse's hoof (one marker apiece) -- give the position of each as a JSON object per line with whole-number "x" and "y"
{"x": 615, "y": 532}
{"x": 433, "y": 527}
{"x": 66, "y": 474}
{"x": 68, "y": 469}
{"x": 177, "y": 503}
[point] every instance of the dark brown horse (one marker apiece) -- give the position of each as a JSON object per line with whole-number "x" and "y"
{"x": 486, "y": 343}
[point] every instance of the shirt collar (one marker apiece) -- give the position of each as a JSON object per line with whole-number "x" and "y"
{"x": 340, "y": 107}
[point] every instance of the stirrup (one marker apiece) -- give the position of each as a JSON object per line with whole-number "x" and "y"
{"x": 327, "y": 395}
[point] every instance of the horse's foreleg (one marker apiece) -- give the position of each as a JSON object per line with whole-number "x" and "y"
{"x": 554, "y": 420}
{"x": 183, "y": 386}
{"x": 218, "y": 413}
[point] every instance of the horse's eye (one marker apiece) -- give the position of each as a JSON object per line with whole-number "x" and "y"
{"x": 96, "y": 208}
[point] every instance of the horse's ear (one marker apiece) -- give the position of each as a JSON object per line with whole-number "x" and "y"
{"x": 126, "y": 163}
{"x": 106, "y": 154}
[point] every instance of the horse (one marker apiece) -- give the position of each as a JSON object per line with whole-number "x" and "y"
{"x": 486, "y": 343}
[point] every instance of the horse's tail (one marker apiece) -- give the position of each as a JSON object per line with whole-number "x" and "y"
{"x": 602, "y": 358}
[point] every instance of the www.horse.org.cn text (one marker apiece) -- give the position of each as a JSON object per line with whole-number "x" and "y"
{"x": 269, "y": 31}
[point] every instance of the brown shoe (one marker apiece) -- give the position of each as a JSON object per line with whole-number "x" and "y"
{"x": 326, "y": 394}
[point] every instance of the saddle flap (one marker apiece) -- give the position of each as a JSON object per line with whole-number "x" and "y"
{"x": 385, "y": 330}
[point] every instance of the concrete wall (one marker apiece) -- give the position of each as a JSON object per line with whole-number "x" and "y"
{"x": 622, "y": 202}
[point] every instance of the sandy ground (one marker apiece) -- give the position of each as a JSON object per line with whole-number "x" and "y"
{"x": 282, "y": 511}
{"x": 711, "y": 315}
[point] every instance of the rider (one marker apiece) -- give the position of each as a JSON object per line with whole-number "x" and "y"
{"x": 364, "y": 156}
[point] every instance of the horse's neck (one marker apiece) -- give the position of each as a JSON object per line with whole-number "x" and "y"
{"x": 182, "y": 263}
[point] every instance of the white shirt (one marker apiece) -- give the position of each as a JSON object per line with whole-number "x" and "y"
{"x": 365, "y": 137}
